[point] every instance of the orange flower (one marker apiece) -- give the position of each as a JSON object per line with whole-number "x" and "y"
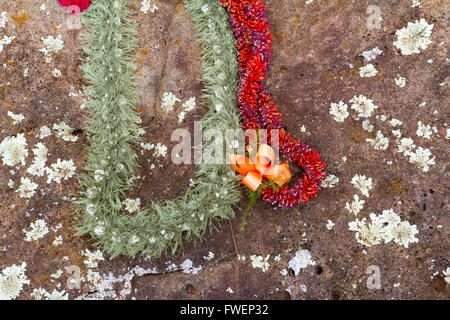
{"x": 260, "y": 165}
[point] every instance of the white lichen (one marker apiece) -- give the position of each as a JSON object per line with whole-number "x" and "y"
{"x": 168, "y": 101}
{"x": 188, "y": 267}
{"x": 6, "y": 40}
{"x": 397, "y": 133}
{"x": 387, "y": 217}
{"x": 395, "y": 122}
{"x": 400, "y": 81}
{"x": 406, "y": 146}
{"x": 13, "y": 150}
{"x": 27, "y": 188}
{"x": 416, "y": 4}
{"x": 330, "y": 224}
{"x": 385, "y": 227}
{"x": 61, "y": 170}
{"x": 363, "y": 105}
{"x": 414, "y": 37}
{"x": 93, "y": 277}
{"x": 339, "y": 111}
{"x": 422, "y": 157}
{"x": 147, "y": 146}
{"x": 52, "y": 45}
{"x": 402, "y": 233}
{"x": 367, "y": 234}
{"x": 181, "y": 116}
{"x": 355, "y": 206}
{"x": 242, "y": 257}
{"x": 12, "y": 280}
{"x": 368, "y": 71}
{"x": 362, "y": 183}
{"x": 44, "y": 132}
{"x": 423, "y": 130}
{"x": 260, "y": 262}
{"x": 56, "y": 73}
{"x": 65, "y": 132}
{"x": 57, "y": 241}
{"x": 3, "y": 19}
{"x": 92, "y": 258}
{"x": 446, "y": 273}
{"x": 37, "y": 168}
{"x": 371, "y": 54}
{"x": 148, "y": 5}
{"x": 189, "y": 105}
{"x": 42, "y": 294}
{"x": 301, "y": 260}
{"x": 17, "y": 118}
{"x": 367, "y": 126}
{"x": 38, "y": 230}
{"x": 330, "y": 181}
{"x": 57, "y": 274}
{"x": 210, "y": 256}
{"x": 380, "y": 142}
{"x": 160, "y": 150}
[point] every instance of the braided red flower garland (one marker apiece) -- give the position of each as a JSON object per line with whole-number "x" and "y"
{"x": 257, "y": 111}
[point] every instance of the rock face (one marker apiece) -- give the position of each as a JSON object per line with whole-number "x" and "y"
{"x": 317, "y": 56}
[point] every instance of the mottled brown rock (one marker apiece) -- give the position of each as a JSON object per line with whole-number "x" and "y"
{"x": 313, "y": 47}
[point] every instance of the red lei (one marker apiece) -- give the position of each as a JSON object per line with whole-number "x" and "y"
{"x": 257, "y": 111}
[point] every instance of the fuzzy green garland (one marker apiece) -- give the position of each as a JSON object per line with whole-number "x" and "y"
{"x": 113, "y": 134}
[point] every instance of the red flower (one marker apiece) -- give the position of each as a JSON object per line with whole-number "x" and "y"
{"x": 82, "y": 4}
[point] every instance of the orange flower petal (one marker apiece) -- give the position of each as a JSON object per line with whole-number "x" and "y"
{"x": 280, "y": 174}
{"x": 241, "y": 164}
{"x": 264, "y": 158}
{"x": 252, "y": 180}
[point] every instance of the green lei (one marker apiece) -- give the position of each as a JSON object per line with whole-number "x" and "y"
{"x": 113, "y": 134}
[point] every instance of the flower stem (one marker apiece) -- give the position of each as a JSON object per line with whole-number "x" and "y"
{"x": 253, "y": 197}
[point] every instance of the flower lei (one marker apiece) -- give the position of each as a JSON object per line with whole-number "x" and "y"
{"x": 257, "y": 111}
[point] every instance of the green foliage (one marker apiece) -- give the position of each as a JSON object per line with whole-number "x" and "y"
{"x": 113, "y": 134}
{"x": 255, "y": 195}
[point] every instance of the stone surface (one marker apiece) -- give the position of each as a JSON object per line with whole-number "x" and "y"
{"x": 316, "y": 58}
